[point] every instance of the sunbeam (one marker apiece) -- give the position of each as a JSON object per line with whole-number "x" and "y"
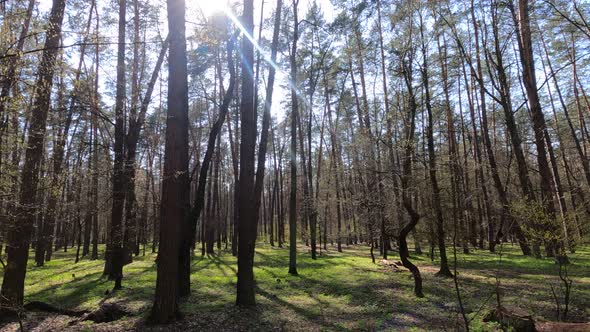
{"x": 264, "y": 54}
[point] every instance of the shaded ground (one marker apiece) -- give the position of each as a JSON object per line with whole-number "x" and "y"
{"x": 337, "y": 292}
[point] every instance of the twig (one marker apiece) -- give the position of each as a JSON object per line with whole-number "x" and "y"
{"x": 557, "y": 306}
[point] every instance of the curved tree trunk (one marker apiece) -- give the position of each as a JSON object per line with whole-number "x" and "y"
{"x": 409, "y": 132}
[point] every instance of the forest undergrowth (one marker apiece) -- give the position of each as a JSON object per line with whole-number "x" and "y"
{"x": 337, "y": 292}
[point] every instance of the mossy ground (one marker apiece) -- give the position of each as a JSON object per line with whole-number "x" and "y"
{"x": 337, "y": 292}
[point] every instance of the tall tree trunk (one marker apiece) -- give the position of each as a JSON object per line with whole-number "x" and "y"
{"x": 373, "y": 197}
{"x": 136, "y": 120}
{"x": 262, "y": 148}
{"x": 94, "y": 128}
{"x": 19, "y": 236}
{"x": 384, "y": 233}
{"x": 236, "y": 174}
{"x": 539, "y": 126}
{"x": 130, "y": 230}
{"x": 247, "y": 224}
{"x": 471, "y": 228}
{"x": 559, "y": 187}
{"x": 77, "y": 170}
{"x": 94, "y": 186}
{"x": 42, "y": 248}
{"x": 457, "y": 193}
{"x": 293, "y": 152}
{"x": 506, "y": 104}
{"x": 89, "y": 210}
{"x": 336, "y": 164}
{"x": 506, "y": 218}
{"x": 279, "y": 188}
{"x": 487, "y": 143}
{"x": 114, "y": 254}
{"x": 272, "y": 191}
{"x": 175, "y": 185}
{"x": 480, "y": 182}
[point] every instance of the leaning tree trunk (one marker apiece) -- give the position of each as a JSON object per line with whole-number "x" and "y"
{"x": 262, "y": 148}
{"x": 515, "y": 140}
{"x": 136, "y": 121}
{"x": 539, "y": 126}
{"x": 188, "y": 237}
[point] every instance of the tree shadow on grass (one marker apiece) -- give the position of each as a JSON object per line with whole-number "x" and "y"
{"x": 201, "y": 263}
{"x": 72, "y": 293}
{"x": 220, "y": 262}
{"x": 219, "y": 318}
{"x": 307, "y": 314}
{"x": 304, "y": 261}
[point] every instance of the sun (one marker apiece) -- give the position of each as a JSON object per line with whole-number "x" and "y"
{"x": 211, "y": 7}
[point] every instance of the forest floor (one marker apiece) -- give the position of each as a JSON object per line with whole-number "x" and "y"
{"x": 337, "y": 292}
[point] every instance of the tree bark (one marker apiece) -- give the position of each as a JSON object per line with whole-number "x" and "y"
{"x": 19, "y": 235}
{"x": 539, "y": 126}
{"x": 409, "y": 131}
{"x": 293, "y": 152}
{"x": 114, "y": 255}
{"x": 247, "y": 224}
{"x": 175, "y": 185}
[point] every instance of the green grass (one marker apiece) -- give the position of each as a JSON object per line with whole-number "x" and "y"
{"x": 336, "y": 292}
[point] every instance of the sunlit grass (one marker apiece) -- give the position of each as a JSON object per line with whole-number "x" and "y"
{"x": 338, "y": 291}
